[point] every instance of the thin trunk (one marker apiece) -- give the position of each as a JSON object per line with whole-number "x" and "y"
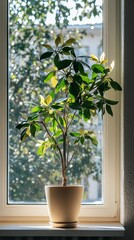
{"x": 64, "y": 180}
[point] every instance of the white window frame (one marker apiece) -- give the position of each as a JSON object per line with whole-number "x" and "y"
{"x": 109, "y": 211}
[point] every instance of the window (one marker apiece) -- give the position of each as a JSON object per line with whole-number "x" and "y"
{"x": 110, "y": 206}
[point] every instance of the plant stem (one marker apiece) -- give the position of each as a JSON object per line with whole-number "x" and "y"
{"x": 71, "y": 120}
{"x": 65, "y": 147}
{"x": 70, "y": 159}
{"x": 50, "y": 136}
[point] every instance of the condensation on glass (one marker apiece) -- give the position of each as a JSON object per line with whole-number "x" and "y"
{"x": 27, "y": 172}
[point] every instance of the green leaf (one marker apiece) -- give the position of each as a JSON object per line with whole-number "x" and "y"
{"x": 75, "y": 134}
{"x": 74, "y": 89}
{"x": 69, "y": 42}
{"x": 77, "y": 78}
{"x": 48, "y": 119}
{"x": 103, "y": 87}
{"x": 111, "y": 102}
{"x": 56, "y": 60}
{"x": 54, "y": 124}
{"x": 46, "y": 55}
{"x": 58, "y": 40}
{"x": 66, "y": 50}
{"x": 41, "y": 150}
{"x": 61, "y": 84}
{"x": 38, "y": 127}
{"x": 89, "y": 104}
{"x": 52, "y": 94}
{"x": 47, "y": 46}
{"x": 63, "y": 64}
{"x": 94, "y": 140}
{"x": 22, "y": 125}
{"x": 24, "y": 136}
{"x": 49, "y": 76}
{"x": 56, "y": 106}
{"x": 36, "y": 109}
{"x": 109, "y": 110}
{"x": 62, "y": 122}
{"x": 115, "y": 85}
{"x": 32, "y": 116}
{"x": 86, "y": 78}
{"x": 82, "y": 140}
{"x": 73, "y": 53}
{"x": 75, "y": 106}
{"x": 86, "y": 114}
{"x": 32, "y": 130}
{"x": 75, "y": 66}
{"x": 58, "y": 133}
{"x": 81, "y": 68}
{"x": 48, "y": 100}
{"x": 97, "y": 68}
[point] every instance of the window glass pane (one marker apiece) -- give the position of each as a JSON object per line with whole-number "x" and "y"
{"x": 31, "y": 24}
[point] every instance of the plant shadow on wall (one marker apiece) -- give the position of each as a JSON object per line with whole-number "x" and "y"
{"x": 76, "y": 96}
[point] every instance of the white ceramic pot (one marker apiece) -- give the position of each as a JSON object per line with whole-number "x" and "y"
{"x": 64, "y": 204}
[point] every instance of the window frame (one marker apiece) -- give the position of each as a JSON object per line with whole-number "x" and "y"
{"x": 109, "y": 210}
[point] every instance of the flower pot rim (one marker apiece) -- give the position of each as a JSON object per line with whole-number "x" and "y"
{"x": 60, "y": 186}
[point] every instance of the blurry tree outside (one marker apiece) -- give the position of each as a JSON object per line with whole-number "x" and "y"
{"x": 29, "y": 29}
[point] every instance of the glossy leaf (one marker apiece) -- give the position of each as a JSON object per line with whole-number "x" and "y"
{"x": 54, "y": 81}
{"x": 36, "y": 109}
{"x": 69, "y": 42}
{"x": 66, "y": 50}
{"x": 48, "y": 119}
{"x": 86, "y": 114}
{"x": 82, "y": 140}
{"x": 46, "y": 55}
{"x": 116, "y": 85}
{"x": 93, "y": 140}
{"x": 47, "y": 46}
{"x": 32, "y": 130}
{"x": 81, "y": 68}
{"x": 58, "y": 40}
{"x": 22, "y": 125}
{"x": 63, "y": 64}
{"x": 110, "y": 102}
{"x": 49, "y": 76}
{"x": 62, "y": 121}
{"x": 76, "y": 66}
{"x": 97, "y": 68}
{"x": 86, "y": 79}
{"x": 61, "y": 84}
{"x": 32, "y": 116}
{"x": 109, "y": 110}
{"x": 58, "y": 133}
{"x": 75, "y": 105}
{"x": 24, "y": 135}
{"x": 56, "y": 60}
{"x": 74, "y": 89}
{"x": 48, "y": 100}
{"x": 75, "y": 134}
{"x": 77, "y": 78}
{"x": 94, "y": 58}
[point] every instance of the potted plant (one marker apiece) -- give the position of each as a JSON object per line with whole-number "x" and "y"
{"x": 77, "y": 93}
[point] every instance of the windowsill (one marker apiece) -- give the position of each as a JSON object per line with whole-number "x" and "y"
{"x": 82, "y": 230}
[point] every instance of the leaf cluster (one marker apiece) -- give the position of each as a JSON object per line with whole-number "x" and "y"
{"x": 77, "y": 92}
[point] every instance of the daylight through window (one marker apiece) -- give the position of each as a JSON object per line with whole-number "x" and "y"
{"x": 32, "y": 24}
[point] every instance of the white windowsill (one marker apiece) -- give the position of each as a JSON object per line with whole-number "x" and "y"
{"x": 82, "y": 230}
